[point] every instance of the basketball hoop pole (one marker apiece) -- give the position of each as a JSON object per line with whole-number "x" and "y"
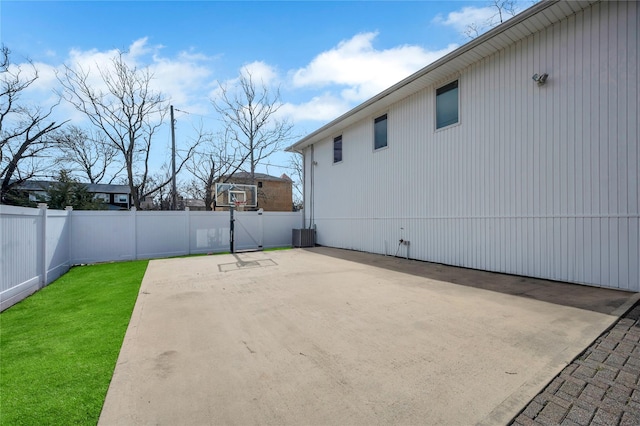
{"x": 231, "y": 236}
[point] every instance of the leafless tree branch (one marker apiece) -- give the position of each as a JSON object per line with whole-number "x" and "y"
{"x": 504, "y": 9}
{"x": 127, "y": 112}
{"x": 252, "y": 126}
{"x": 25, "y": 131}
{"x": 88, "y": 154}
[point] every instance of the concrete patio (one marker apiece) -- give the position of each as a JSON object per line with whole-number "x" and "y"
{"x": 327, "y": 336}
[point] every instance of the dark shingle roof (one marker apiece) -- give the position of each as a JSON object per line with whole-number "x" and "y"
{"x": 43, "y": 185}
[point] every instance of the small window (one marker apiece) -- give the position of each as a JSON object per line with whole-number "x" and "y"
{"x": 447, "y": 105}
{"x": 259, "y": 184}
{"x": 102, "y": 197}
{"x": 380, "y": 132}
{"x": 337, "y": 149}
{"x": 122, "y": 198}
{"x": 38, "y": 196}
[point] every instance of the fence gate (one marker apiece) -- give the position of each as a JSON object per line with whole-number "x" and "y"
{"x": 246, "y": 231}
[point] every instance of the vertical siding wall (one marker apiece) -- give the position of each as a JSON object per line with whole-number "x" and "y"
{"x": 38, "y": 245}
{"x": 537, "y": 181}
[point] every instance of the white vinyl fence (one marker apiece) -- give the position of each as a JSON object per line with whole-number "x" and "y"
{"x": 39, "y": 245}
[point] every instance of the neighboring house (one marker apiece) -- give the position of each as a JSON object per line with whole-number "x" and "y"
{"x": 149, "y": 203}
{"x": 193, "y": 204}
{"x": 275, "y": 194}
{"x": 516, "y": 153}
{"x": 116, "y": 197}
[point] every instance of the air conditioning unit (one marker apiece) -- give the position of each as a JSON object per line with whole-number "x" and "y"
{"x": 303, "y": 238}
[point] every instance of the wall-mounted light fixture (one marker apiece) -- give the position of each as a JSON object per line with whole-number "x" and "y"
{"x": 540, "y": 79}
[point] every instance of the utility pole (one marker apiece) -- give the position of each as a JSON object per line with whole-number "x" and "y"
{"x": 174, "y": 195}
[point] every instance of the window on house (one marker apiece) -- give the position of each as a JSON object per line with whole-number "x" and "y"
{"x": 259, "y": 184}
{"x": 122, "y": 198}
{"x": 447, "y": 105}
{"x": 38, "y": 196}
{"x": 102, "y": 197}
{"x": 380, "y": 132}
{"x": 337, "y": 149}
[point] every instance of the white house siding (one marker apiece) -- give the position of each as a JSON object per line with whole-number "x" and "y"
{"x": 537, "y": 181}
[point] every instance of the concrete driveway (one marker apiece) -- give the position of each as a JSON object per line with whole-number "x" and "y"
{"x": 308, "y": 337}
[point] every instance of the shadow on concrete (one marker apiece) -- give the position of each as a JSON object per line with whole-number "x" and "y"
{"x": 596, "y": 299}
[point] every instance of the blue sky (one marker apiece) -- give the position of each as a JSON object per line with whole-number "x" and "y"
{"x": 326, "y": 57}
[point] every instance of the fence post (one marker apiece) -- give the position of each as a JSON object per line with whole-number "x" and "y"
{"x": 43, "y": 250}
{"x": 134, "y": 228}
{"x": 187, "y": 212}
{"x": 261, "y": 228}
{"x": 232, "y": 237}
{"x": 69, "y": 209}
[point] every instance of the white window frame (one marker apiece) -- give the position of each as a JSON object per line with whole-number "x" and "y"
{"x": 117, "y": 199}
{"x": 105, "y": 198}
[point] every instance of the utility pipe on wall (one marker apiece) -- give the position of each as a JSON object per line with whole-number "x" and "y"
{"x": 304, "y": 184}
{"x": 311, "y": 199}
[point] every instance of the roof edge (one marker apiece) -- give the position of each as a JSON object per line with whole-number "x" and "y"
{"x": 519, "y": 18}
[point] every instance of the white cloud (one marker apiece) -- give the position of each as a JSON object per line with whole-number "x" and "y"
{"x": 325, "y": 107}
{"x": 469, "y": 15}
{"x": 140, "y": 48}
{"x": 90, "y": 59}
{"x": 184, "y": 78}
{"x": 181, "y": 78}
{"x": 365, "y": 71}
{"x": 473, "y": 21}
{"x": 332, "y": 83}
{"x": 261, "y": 73}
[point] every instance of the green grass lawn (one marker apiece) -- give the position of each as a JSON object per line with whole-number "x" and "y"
{"x": 58, "y": 347}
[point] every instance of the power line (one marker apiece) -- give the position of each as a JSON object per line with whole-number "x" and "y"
{"x": 192, "y": 113}
{"x": 278, "y": 166}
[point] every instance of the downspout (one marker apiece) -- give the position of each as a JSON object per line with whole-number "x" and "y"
{"x": 304, "y": 189}
{"x": 304, "y": 184}
{"x": 311, "y": 199}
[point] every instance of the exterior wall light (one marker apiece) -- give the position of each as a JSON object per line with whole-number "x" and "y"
{"x": 540, "y": 79}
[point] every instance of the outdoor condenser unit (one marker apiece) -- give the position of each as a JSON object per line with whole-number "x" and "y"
{"x": 303, "y": 237}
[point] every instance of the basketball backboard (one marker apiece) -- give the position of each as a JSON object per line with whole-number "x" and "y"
{"x": 228, "y": 193}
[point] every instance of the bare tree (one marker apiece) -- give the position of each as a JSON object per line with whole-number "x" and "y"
{"x": 128, "y": 113}
{"x": 24, "y": 130}
{"x": 504, "y": 9}
{"x": 205, "y": 170}
{"x": 249, "y": 114}
{"x": 216, "y": 159}
{"x": 295, "y": 165}
{"x": 161, "y": 199}
{"x": 88, "y": 154}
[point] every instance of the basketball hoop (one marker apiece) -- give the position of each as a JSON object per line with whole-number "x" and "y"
{"x": 240, "y": 205}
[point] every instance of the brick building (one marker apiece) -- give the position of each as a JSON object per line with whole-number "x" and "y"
{"x": 274, "y": 193}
